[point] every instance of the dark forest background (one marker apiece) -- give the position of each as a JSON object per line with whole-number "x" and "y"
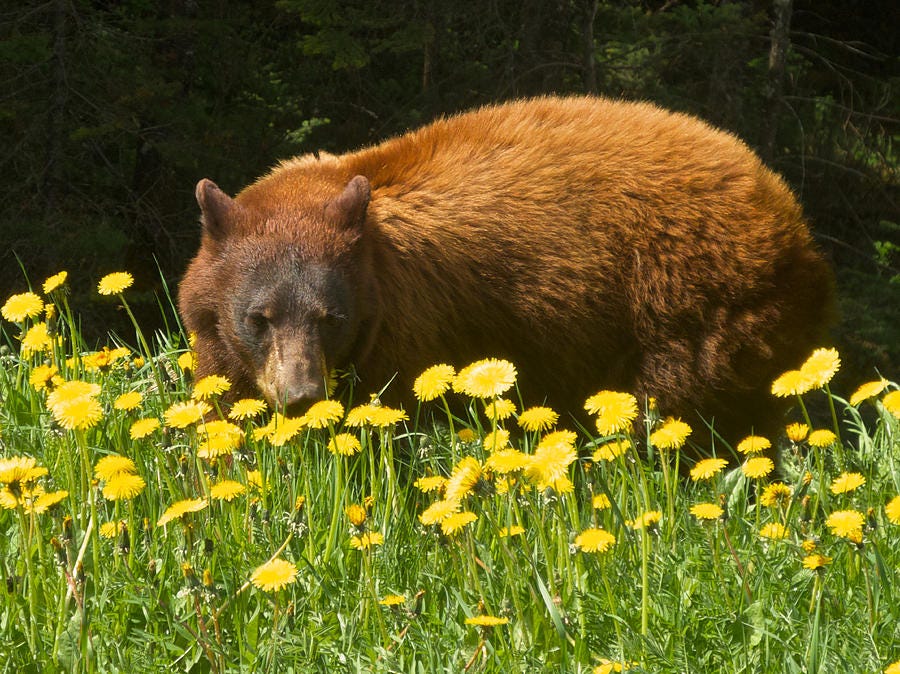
{"x": 111, "y": 111}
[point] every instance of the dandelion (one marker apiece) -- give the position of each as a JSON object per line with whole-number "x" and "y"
{"x": 615, "y": 411}
{"x": 367, "y": 540}
{"x": 509, "y": 532}
{"x": 499, "y": 409}
{"x": 815, "y": 561}
{"x": 246, "y": 408}
{"x": 707, "y": 511}
{"x": 433, "y": 382}
{"x": 115, "y": 283}
{"x": 113, "y": 464}
{"x": 55, "y": 282}
{"x": 226, "y": 490}
{"x": 438, "y": 512}
{"x": 600, "y": 502}
{"x": 757, "y": 467}
{"x": 496, "y": 440}
{"x": 706, "y": 469}
{"x": 43, "y": 501}
{"x": 359, "y": 415}
{"x": 180, "y": 508}
{"x": 486, "y": 621}
{"x": 609, "y": 666}
{"x": 595, "y": 540}
{"x": 123, "y": 486}
{"x": 792, "y": 383}
{"x": 344, "y": 444}
{"x": 610, "y": 451}
{"x": 41, "y": 376}
{"x": 382, "y": 417}
{"x": 103, "y": 359}
{"x": 507, "y": 461}
{"x": 37, "y": 339}
{"x": 356, "y": 514}
{"x": 209, "y": 386}
{"x": 753, "y": 444}
{"x": 430, "y": 483}
{"x": 821, "y": 366}
{"x": 19, "y": 307}
{"x": 846, "y": 482}
{"x": 457, "y": 522}
{"x": 187, "y": 361}
{"x": 254, "y": 479}
{"x": 128, "y": 401}
{"x": 274, "y": 575}
{"x": 81, "y": 413}
{"x": 142, "y": 428}
{"x": 846, "y": 523}
{"x": 776, "y": 493}
{"x": 645, "y": 520}
{"x": 538, "y": 419}
{"x": 183, "y": 414}
{"x": 892, "y": 510}
{"x": 671, "y": 435}
{"x": 392, "y": 600}
{"x": 868, "y": 390}
{"x": 796, "y": 432}
{"x": 893, "y": 668}
{"x": 487, "y": 378}
{"x": 323, "y": 413}
{"x": 112, "y": 529}
{"x": 774, "y": 531}
{"x": 463, "y": 478}
{"x": 551, "y": 460}
{"x": 821, "y": 438}
{"x": 282, "y": 429}
{"x": 891, "y": 403}
{"x": 466, "y": 435}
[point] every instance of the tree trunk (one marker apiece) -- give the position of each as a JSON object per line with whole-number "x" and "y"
{"x": 778, "y": 50}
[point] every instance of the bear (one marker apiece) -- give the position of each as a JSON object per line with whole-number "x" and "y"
{"x": 595, "y": 243}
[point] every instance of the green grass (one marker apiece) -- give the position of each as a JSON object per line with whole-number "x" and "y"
{"x": 679, "y": 595}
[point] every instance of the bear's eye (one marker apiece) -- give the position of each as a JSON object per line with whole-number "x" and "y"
{"x": 333, "y": 320}
{"x": 257, "y": 322}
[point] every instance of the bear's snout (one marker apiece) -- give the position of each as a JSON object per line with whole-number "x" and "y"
{"x": 294, "y": 375}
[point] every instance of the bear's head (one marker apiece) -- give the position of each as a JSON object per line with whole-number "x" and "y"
{"x": 278, "y": 294}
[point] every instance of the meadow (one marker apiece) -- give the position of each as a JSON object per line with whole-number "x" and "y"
{"x": 147, "y": 526}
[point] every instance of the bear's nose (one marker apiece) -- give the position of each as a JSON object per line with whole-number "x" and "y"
{"x": 298, "y": 396}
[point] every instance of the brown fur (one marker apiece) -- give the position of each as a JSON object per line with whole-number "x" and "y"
{"x": 595, "y": 243}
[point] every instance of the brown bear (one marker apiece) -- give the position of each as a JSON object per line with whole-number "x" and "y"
{"x": 597, "y": 244}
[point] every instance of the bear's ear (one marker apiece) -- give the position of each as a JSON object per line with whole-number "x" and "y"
{"x": 349, "y": 209}
{"x": 216, "y": 206}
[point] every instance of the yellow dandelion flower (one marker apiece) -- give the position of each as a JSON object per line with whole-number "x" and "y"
{"x": 226, "y": 490}
{"x": 103, "y": 359}
{"x": 392, "y": 600}
{"x": 821, "y": 366}
{"x": 538, "y": 419}
{"x": 143, "y": 427}
{"x": 796, "y": 432}
{"x": 183, "y": 414}
{"x": 792, "y": 383}
{"x": 821, "y": 438}
{"x": 846, "y": 523}
{"x": 344, "y": 444}
{"x": 299, "y": 501}
{"x": 81, "y": 413}
{"x": 615, "y": 411}
{"x": 610, "y": 666}
{"x": 19, "y": 307}
{"x": 180, "y": 508}
{"x": 846, "y": 482}
{"x": 70, "y": 391}
{"x": 274, "y": 575}
{"x": 595, "y": 540}
{"x": 463, "y": 478}
{"x": 773, "y": 530}
{"x": 893, "y": 668}
{"x": 486, "y": 378}
{"x": 123, "y": 486}
{"x": 753, "y": 444}
{"x": 210, "y": 386}
{"x": 115, "y": 283}
{"x": 509, "y": 532}
{"x": 671, "y": 435}
{"x": 37, "y": 339}
{"x": 113, "y": 464}
{"x": 808, "y": 545}
{"x": 457, "y": 522}
{"x": 892, "y": 510}
{"x": 433, "y": 382}
{"x": 757, "y": 467}
{"x": 466, "y": 435}
{"x": 610, "y": 451}
{"x": 600, "y": 502}
{"x": 506, "y": 461}
{"x": 46, "y": 500}
{"x": 246, "y": 408}
{"x": 777, "y": 493}
{"x": 707, "y": 511}
{"x": 645, "y": 520}
{"x": 382, "y": 417}
{"x": 816, "y": 561}
{"x": 285, "y": 428}
{"x": 55, "y": 282}
{"x": 19, "y": 470}
{"x": 868, "y": 390}
{"x": 486, "y": 621}
{"x": 430, "y": 483}
{"x": 356, "y": 514}
{"x": 128, "y": 401}
{"x": 551, "y": 460}
{"x": 891, "y": 403}
{"x": 254, "y": 479}
{"x": 112, "y": 529}
{"x": 360, "y": 415}
{"x": 367, "y": 540}
{"x": 438, "y": 512}
{"x": 706, "y": 469}
{"x": 323, "y": 413}
{"x": 187, "y": 361}
{"x": 41, "y": 376}
{"x": 499, "y": 409}
{"x": 496, "y": 440}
